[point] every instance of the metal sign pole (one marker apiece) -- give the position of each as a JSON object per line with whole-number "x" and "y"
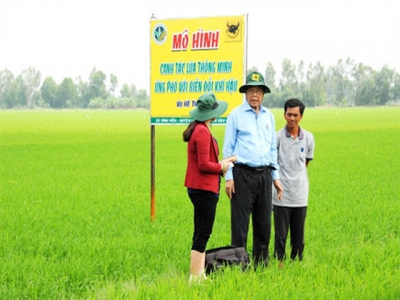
{"x": 153, "y": 166}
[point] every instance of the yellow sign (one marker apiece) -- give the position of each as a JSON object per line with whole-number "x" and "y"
{"x": 189, "y": 57}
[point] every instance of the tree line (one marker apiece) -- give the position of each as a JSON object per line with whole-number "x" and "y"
{"x": 27, "y": 91}
{"x": 345, "y": 84}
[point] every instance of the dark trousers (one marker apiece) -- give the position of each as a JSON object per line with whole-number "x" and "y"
{"x": 293, "y": 219}
{"x": 253, "y": 196}
{"x": 205, "y": 206}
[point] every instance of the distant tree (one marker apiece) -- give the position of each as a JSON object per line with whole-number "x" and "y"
{"x": 49, "y": 91}
{"x": 31, "y": 80}
{"x": 301, "y": 87}
{"x": 395, "y": 88}
{"x": 113, "y": 84}
{"x": 67, "y": 94}
{"x": 270, "y": 77}
{"x": 364, "y": 85}
{"x": 98, "y": 103}
{"x": 83, "y": 93}
{"x": 6, "y": 85}
{"x": 301, "y": 76}
{"x": 384, "y": 79}
{"x": 97, "y": 84}
{"x": 125, "y": 91}
{"x": 127, "y": 99}
{"x": 37, "y": 99}
{"x": 12, "y": 95}
{"x": 128, "y": 91}
{"x": 339, "y": 86}
{"x": 315, "y": 95}
{"x": 17, "y": 95}
{"x": 288, "y": 82}
{"x": 133, "y": 90}
{"x": 142, "y": 99}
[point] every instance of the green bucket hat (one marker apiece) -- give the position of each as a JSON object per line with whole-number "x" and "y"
{"x": 208, "y": 108}
{"x": 254, "y": 79}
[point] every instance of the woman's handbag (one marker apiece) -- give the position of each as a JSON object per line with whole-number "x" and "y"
{"x": 221, "y": 257}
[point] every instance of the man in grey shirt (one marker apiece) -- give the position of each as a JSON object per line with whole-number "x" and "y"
{"x": 295, "y": 150}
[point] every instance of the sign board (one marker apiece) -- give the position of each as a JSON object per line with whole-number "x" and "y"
{"x": 189, "y": 57}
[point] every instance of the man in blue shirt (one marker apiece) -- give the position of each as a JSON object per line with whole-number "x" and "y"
{"x": 250, "y": 135}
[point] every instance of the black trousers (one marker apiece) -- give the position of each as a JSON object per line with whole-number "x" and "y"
{"x": 253, "y": 196}
{"x": 205, "y": 206}
{"x": 293, "y": 219}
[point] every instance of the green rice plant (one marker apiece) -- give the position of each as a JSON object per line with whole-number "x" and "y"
{"x": 75, "y": 210}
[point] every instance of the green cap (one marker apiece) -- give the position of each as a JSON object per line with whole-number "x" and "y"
{"x": 208, "y": 108}
{"x": 254, "y": 79}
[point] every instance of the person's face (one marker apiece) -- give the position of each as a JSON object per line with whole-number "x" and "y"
{"x": 292, "y": 117}
{"x": 254, "y": 97}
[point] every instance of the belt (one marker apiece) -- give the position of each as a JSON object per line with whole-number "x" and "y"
{"x": 258, "y": 169}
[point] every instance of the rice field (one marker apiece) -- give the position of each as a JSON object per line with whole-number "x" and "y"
{"x": 75, "y": 210}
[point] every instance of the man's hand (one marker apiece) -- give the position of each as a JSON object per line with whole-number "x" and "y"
{"x": 227, "y": 163}
{"x": 229, "y": 160}
{"x": 279, "y": 188}
{"x": 230, "y": 188}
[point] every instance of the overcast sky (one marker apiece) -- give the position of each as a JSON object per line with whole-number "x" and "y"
{"x": 68, "y": 38}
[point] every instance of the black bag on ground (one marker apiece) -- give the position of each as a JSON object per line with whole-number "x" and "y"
{"x": 218, "y": 258}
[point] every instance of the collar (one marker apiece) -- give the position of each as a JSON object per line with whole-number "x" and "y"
{"x": 300, "y": 135}
{"x": 202, "y": 124}
{"x": 247, "y": 107}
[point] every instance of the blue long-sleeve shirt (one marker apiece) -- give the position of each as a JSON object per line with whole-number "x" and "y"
{"x": 252, "y": 138}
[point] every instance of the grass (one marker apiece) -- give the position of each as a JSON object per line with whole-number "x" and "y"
{"x": 75, "y": 210}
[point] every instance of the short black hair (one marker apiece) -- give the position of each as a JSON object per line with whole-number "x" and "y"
{"x": 295, "y": 103}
